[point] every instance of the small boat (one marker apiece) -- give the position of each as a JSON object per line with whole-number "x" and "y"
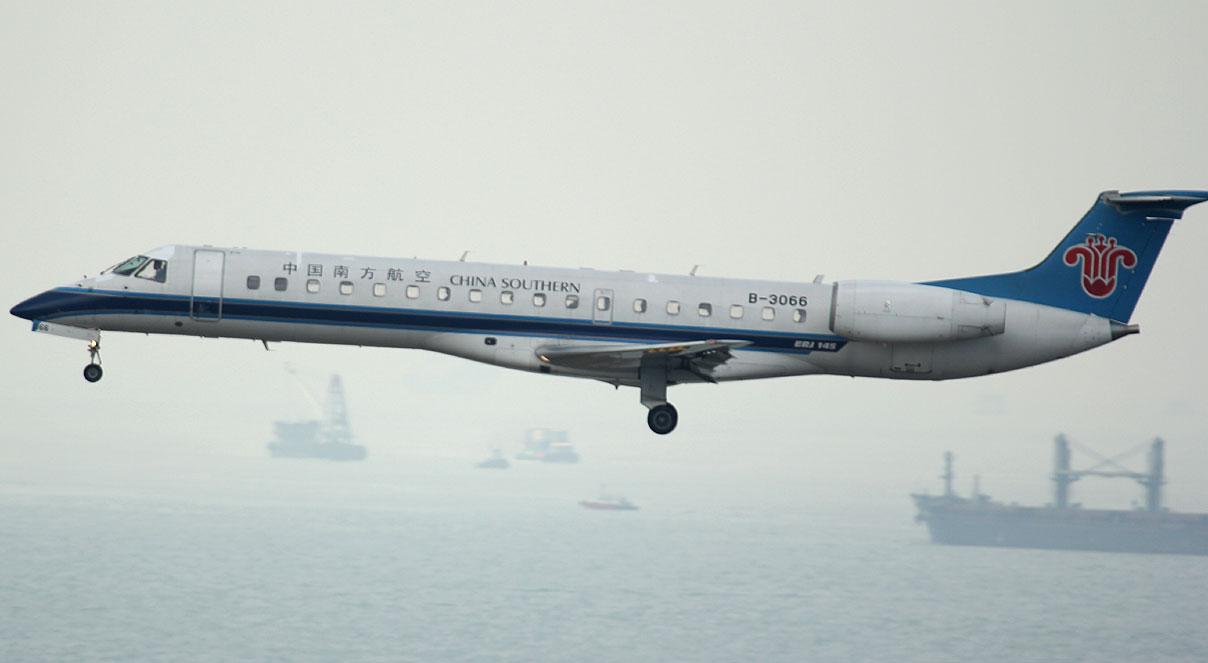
{"x": 495, "y": 462}
{"x": 607, "y": 502}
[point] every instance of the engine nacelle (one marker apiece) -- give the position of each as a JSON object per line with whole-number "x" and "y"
{"x": 899, "y": 312}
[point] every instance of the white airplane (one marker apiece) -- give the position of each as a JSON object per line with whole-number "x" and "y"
{"x": 637, "y": 329}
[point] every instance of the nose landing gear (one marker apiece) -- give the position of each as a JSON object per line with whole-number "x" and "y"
{"x": 93, "y": 372}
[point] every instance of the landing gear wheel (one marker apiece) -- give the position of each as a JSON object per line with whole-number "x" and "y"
{"x": 92, "y": 372}
{"x": 662, "y": 418}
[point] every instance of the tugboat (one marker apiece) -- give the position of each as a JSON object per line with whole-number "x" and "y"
{"x": 495, "y": 462}
{"x": 329, "y": 439}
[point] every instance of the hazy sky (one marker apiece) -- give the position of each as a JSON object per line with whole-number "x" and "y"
{"x": 766, "y": 140}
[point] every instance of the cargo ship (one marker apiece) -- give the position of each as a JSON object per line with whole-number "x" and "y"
{"x": 980, "y": 521}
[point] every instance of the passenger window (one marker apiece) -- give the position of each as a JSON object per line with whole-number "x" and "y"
{"x": 154, "y": 270}
{"x": 736, "y": 311}
{"x": 312, "y": 285}
{"x": 253, "y": 283}
{"x": 412, "y": 292}
{"x": 280, "y": 284}
{"x": 572, "y": 301}
{"x": 673, "y": 308}
{"x": 379, "y": 289}
{"x": 603, "y": 303}
{"x": 345, "y": 287}
{"x": 507, "y": 297}
{"x": 538, "y": 299}
{"x": 475, "y": 295}
{"x": 442, "y": 293}
{"x": 705, "y": 310}
{"x": 769, "y": 313}
{"x": 798, "y": 315}
{"x": 639, "y": 306}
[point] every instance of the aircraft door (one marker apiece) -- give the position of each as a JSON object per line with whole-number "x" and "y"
{"x": 601, "y": 307}
{"x": 206, "y": 302}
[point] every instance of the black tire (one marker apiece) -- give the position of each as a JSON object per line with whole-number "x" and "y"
{"x": 93, "y": 372}
{"x": 662, "y": 418}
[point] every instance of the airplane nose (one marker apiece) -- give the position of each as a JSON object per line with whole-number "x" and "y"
{"x": 24, "y": 309}
{"x": 38, "y": 307}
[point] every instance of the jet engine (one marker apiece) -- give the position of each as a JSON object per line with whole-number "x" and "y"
{"x": 899, "y": 312}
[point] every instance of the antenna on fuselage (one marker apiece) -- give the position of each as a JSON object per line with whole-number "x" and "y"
{"x": 463, "y": 255}
{"x": 693, "y": 272}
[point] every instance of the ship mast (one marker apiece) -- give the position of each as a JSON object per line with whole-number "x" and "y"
{"x": 1153, "y": 481}
{"x": 1061, "y": 472}
{"x": 948, "y": 476}
{"x": 1063, "y": 476}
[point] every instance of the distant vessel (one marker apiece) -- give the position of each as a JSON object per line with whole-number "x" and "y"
{"x": 329, "y": 439}
{"x": 606, "y": 502}
{"x": 979, "y": 521}
{"x": 495, "y": 462}
{"x": 548, "y": 445}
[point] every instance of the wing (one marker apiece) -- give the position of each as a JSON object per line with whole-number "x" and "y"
{"x": 697, "y": 357}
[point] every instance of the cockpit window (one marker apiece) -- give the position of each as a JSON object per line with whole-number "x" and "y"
{"x": 128, "y": 267}
{"x": 154, "y": 270}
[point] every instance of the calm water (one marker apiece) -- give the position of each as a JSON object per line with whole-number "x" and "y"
{"x": 261, "y": 560}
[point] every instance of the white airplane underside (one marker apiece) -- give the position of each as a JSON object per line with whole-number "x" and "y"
{"x": 648, "y": 331}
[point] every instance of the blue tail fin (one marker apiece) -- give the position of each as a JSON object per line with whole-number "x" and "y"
{"x": 1102, "y": 264}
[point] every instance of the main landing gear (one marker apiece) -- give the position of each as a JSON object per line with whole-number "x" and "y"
{"x": 662, "y": 417}
{"x": 93, "y": 372}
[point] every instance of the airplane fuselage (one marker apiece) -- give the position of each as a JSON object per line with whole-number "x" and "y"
{"x": 640, "y": 329}
{"x": 503, "y": 314}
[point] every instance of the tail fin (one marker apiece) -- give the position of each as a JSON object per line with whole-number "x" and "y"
{"x": 1102, "y": 264}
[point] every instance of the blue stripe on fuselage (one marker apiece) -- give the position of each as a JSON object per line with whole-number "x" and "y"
{"x": 64, "y": 302}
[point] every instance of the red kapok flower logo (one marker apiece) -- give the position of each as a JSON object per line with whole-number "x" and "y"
{"x": 1100, "y": 259}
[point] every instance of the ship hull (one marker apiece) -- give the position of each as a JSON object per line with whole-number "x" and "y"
{"x": 961, "y": 522}
{"x": 324, "y": 450}
{"x": 607, "y": 506}
{"x": 495, "y": 464}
